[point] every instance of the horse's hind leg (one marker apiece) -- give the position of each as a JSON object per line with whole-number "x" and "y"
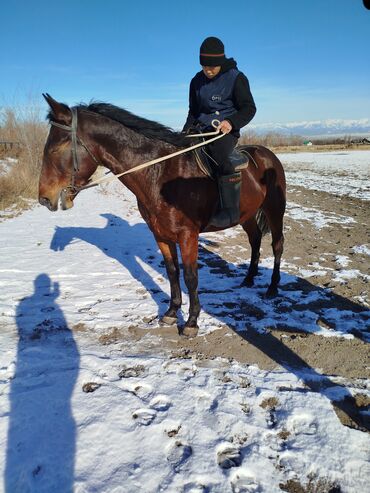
{"x": 275, "y": 219}
{"x": 171, "y": 262}
{"x": 277, "y": 247}
{"x": 254, "y": 236}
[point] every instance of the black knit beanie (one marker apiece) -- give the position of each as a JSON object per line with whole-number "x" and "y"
{"x": 212, "y": 52}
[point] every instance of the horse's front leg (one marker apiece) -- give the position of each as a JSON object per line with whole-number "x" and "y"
{"x": 171, "y": 262}
{"x": 189, "y": 253}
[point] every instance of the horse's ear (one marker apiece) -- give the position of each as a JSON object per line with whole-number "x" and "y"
{"x": 60, "y": 111}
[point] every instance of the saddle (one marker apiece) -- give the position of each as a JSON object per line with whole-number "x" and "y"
{"x": 239, "y": 158}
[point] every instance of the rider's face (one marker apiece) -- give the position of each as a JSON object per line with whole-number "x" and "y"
{"x": 211, "y": 72}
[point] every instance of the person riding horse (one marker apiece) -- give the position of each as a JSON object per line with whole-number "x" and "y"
{"x": 221, "y": 92}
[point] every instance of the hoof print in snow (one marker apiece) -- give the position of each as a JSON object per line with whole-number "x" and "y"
{"x": 160, "y": 403}
{"x": 228, "y": 455}
{"x": 302, "y": 424}
{"x": 178, "y": 453}
{"x": 133, "y": 371}
{"x": 245, "y": 407}
{"x": 271, "y": 419}
{"x": 173, "y": 431}
{"x": 239, "y": 438}
{"x": 90, "y": 387}
{"x": 195, "y": 488}
{"x": 244, "y": 482}
{"x": 144, "y": 416}
{"x": 270, "y": 405}
{"x": 36, "y": 471}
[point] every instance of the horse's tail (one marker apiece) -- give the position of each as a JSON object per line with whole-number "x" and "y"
{"x": 262, "y": 223}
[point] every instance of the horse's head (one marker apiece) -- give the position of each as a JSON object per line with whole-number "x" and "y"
{"x": 68, "y": 160}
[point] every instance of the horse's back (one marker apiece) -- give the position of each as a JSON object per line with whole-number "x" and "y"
{"x": 264, "y": 165}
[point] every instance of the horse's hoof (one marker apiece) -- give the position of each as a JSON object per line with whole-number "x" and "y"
{"x": 190, "y": 331}
{"x": 166, "y": 320}
{"x": 247, "y": 283}
{"x": 271, "y": 293}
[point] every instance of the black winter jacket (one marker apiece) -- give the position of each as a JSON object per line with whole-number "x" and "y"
{"x": 244, "y": 105}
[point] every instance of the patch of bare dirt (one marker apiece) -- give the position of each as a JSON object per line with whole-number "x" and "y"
{"x": 349, "y": 358}
{"x": 320, "y": 485}
{"x": 354, "y": 411}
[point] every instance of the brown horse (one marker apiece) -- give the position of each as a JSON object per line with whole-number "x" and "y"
{"x": 174, "y": 197}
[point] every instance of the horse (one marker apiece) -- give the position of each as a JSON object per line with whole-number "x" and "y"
{"x": 175, "y": 198}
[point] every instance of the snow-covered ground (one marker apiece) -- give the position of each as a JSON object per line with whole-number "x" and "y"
{"x": 6, "y": 165}
{"x": 342, "y": 173}
{"x": 77, "y": 415}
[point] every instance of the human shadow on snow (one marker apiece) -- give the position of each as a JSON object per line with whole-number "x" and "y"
{"x": 40, "y": 453}
{"x": 296, "y": 309}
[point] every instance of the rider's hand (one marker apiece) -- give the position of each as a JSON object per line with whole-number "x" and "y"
{"x": 225, "y": 127}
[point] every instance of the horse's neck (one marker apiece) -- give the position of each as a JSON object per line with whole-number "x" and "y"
{"x": 127, "y": 151}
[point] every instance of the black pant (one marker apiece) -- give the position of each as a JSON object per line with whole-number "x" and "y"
{"x": 220, "y": 151}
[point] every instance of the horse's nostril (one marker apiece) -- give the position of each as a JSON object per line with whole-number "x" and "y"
{"x": 45, "y": 201}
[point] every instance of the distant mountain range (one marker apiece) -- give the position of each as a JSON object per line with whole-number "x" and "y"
{"x": 315, "y": 128}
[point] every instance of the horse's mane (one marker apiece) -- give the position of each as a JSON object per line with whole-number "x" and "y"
{"x": 148, "y": 128}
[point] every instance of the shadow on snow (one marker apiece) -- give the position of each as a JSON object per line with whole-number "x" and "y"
{"x": 40, "y": 454}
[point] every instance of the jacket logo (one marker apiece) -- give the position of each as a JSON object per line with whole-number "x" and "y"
{"x": 216, "y": 98}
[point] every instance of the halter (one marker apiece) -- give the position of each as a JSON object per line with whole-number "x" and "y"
{"x": 75, "y": 140}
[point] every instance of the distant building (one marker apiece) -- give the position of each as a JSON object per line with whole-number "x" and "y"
{"x": 360, "y": 141}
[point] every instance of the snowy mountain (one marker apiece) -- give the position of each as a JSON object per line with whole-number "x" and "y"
{"x": 330, "y": 127}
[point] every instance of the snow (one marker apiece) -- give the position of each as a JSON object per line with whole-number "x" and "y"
{"x": 315, "y": 216}
{"x": 79, "y": 415}
{"x": 164, "y": 429}
{"x": 6, "y": 165}
{"x": 340, "y": 173}
{"x": 362, "y": 249}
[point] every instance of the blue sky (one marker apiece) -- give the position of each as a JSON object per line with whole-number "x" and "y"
{"x": 305, "y": 59}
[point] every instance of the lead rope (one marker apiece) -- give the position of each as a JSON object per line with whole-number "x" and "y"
{"x": 158, "y": 160}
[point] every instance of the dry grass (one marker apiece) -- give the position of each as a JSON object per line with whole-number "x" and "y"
{"x": 294, "y": 143}
{"x": 270, "y": 139}
{"x": 24, "y": 125}
{"x": 321, "y": 148}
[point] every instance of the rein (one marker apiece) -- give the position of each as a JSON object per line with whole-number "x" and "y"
{"x": 77, "y": 140}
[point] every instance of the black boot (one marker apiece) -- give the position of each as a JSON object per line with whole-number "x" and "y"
{"x": 228, "y": 212}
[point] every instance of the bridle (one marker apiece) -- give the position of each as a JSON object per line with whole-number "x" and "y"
{"x": 75, "y": 140}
